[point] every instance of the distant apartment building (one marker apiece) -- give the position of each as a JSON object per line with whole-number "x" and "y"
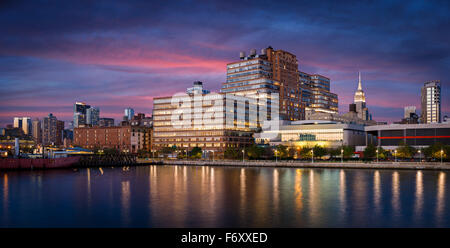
{"x": 431, "y": 102}
{"x": 103, "y": 137}
{"x": 52, "y": 131}
{"x": 276, "y": 71}
{"x": 129, "y": 113}
{"x": 79, "y": 114}
{"x": 316, "y": 94}
{"x": 92, "y": 116}
{"x": 37, "y": 131}
{"x": 408, "y": 110}
{"x": 24, "y": 123}
{"x": 127, "y": 139}
{"x": 211, "y": 121}
{"x": 106, "y": 122}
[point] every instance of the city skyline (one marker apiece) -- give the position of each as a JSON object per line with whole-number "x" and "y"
{"x": 112, "y": 59}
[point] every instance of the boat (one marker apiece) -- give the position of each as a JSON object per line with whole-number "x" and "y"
{"x": 38, "y": 163}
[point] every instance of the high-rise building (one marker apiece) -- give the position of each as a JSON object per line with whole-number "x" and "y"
{"x": 52, "y": 131}
{"x": 24, "y": 123}
{"x": 92, "y": 116}
{"x": 360, "y": 102}
{"x": 129, "y": 113}
{"x": 37, "y": 131}
{"x": 316, "y": 95}
{"x": 79, "y": 114}
{"x": 276, "y": 71}
{"x": 106, "y": 122}
{"x": 408, "y": 111}
{"x": 213, "y": 122}
{"x": 431, "y": 102}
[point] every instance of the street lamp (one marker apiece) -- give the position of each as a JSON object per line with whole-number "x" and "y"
{"x": 395, "y": 155}
{"x": 242, "y": 155}
{"x": 420, "y": 156}
{"x": 377, "y": 155}
{"x": 442, "y": 153}
{"x": 342, "y": 156}
{"x": 312, "y": 155}
{"x": 276, "y": 157}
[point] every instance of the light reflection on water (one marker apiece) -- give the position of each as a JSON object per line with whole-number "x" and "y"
{"x": 177, "y": 196}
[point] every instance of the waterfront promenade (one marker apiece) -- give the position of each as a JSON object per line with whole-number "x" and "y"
{"x": 303, "y": 164}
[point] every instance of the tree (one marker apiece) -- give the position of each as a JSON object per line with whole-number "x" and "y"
{"x": 196, "y": 152}
{"x": 111, "y": 151}
{"x": 405, "y": 150}
{"x": 292, "y": 152}
{"x": 281, "y": 151}
{"x": 434, "y": 151}
{"x": 348, "y": 151}
{"x": 167, "y": 150}
{"x": 267, "y": 152}
{"x": 231, "y": 153}
{"x": 305, "y": 152}
{"x": 254, "y": 152}
{"x": 319, "y": 151}
{"x": 334, "y": 153}
{"x": 370, "y": 152}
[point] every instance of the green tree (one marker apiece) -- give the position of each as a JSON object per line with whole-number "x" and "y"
{"x": 334, "y": 153}
{"x": 267, "y": 152}
{"x": 370, "y": 152}
{"x": 305, "y": 152}
{"x": 319, "y": 151}
{"x": 196, "y": 152}
{"x": 254, "y": 152}
{"x": 281, "y": 151}
{"x": 348, "y": 151}
{"x": 292, "y": 152}
{"x": 405, "y": 150}
{"x": 434, "y": 151}
{"x": 231, "y": 153}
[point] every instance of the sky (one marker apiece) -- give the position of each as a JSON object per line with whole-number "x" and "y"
{"x": 118, "y": 54}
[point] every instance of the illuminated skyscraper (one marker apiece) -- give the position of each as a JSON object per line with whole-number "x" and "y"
{"x": 129, "y": 113}
{"x": 24, "y": 123}
{"x": 92, "y": 116}
{"x": 431, "y": 102}
{"x": 360, "y": 102}
{"x": 79, "y": 114}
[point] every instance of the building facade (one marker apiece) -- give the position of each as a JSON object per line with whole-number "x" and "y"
{"x": 92, "y": 116}
{"x": 431, "y": 102}
{"x": 327, "y": 134}
{"x": 52, "y": 131}
{"x": 37, "y": 131}
{"x": 316, "y": 95}
{"x": 213, "y": 122}
{"x": 129, "y": 113}
{"x": 79, "y": 114}
{"x": 416, "y": 135}
{"x": 24, "y": 123}
{"x": 127, "y": 139}
{"x": 106, "y": 122}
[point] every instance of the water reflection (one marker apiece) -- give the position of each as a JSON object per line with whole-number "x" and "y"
{"x": 396, "y": 194}
{"x": 198, "y": 196}
{"x": 418, "y": 204}
{"x": 377, "y": 191}
{"x": 440, "y": 198}
{"x": 125, "y": 200}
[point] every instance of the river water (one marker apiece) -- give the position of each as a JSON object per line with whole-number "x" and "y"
{"x": 195, "y": 196}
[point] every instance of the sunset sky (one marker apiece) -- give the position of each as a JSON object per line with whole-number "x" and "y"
{"x": 114, "y": 54}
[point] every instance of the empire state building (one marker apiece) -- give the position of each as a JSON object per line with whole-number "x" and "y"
{"x": 360, "y": 101}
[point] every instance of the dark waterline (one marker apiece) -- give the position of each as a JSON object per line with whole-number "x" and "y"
{"x": 183, "y": 196}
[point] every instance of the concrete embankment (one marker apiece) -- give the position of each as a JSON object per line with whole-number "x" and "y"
{"x": 295, "y": 164}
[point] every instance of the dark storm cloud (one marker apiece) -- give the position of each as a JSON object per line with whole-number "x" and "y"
{"x": 114, "y": 53}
